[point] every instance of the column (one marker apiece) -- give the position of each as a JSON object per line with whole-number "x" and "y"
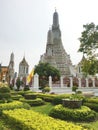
{"x": 71, "y": 82}
{"x": 61, "y": 81}
{"x": 36, "y": 81}
{"x": 50, "y": 81}
{"x": 93, "y": 80}
{"x": 87, "y": 82}
{"x": 79, "y": 79}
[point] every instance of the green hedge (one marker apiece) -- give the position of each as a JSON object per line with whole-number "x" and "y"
{"x": 93, "y": 106}
{"x": 4, "y": 89}
{"x": 58, "y": 99}
{"x": 92, "y": 100}
{"x": 46, "y": 97}
{"x": 92, "y": 103}
{"x": 30, "y": 96}
{"x": 16, "y": 97}
{"x": 22, "y": 119}
{"x": 5, "y": 96}
{"x": 34, "y": 102}
{"x": 13, "y": 105}
{"x": 81, "y": 114}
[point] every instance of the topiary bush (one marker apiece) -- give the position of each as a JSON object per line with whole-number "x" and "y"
{"x": 92, "y": 103}
{"x": 4, "y": 92}
{"x": 81, "y": 114}
{"x": 46, "y": 97}
{"x": 16, "y": 96}
{"x": 30, "y": 96}
{"x": 34, "y": 102}
{"x": 23, "y": 119}
{"x": 13, "y": 105}
{"x": 58, "y": 99}
{"x": 46, "y": 89}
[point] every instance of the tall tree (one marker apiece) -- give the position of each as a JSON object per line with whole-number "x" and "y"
{"x": 44, "y": 70}
{"x": 89, "y": 39}
{"x": 88, "y": 46}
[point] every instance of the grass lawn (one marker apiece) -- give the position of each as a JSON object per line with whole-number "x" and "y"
{"x": 44, "y": 109}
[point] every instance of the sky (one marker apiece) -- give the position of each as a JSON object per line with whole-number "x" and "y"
{"x": 24, "y": 25}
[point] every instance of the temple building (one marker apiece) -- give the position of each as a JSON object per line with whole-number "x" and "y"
{"x": 4, "y": 73}
{"x": 23, "y": 68}
{"x": 11, "y": 66}
{"x": 55, "y": 53}
{"x": 7, "y": 72}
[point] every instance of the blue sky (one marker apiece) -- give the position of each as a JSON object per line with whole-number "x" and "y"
{"x": 24, "y": 25}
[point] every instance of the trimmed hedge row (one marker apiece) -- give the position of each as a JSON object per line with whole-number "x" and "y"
{"x": 34, "y": 102}
{"x": 58, "y": 99}
{"x": 23, "y": 119}
{"x": 92, "y": 103}
{"x": 16, "y": 97}
{"x": 93, "y": 106}
{"x": 81, "y": 114}
{"x": 13, "y": 105}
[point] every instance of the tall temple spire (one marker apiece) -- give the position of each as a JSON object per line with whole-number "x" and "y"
{"x": 55, "y": 20}
{"x": 11, "y": 66}
{"x": 49, "y": 37}
{"x": 12, "y": 57}
{"x": 55, "y": 53}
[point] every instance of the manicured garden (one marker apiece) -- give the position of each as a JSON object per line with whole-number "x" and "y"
{"x": 27, "y": 110}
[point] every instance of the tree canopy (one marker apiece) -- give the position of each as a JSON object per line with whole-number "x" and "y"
{"x": 89, "y": 46}
{"x": 89, "y": 39}
{"x": 44, "y": 70}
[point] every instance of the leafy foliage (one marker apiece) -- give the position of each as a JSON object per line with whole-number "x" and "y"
{"x": 81, "y": 114}
{"x": 89, "y": 39}
{"x": 88, "y": 46}
{"x": 44, "y": 70}
{"x": 29, "y": 120}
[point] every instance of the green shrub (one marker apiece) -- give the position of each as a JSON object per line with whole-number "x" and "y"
{"x": 46, "y": 97}
{"x": 74, "y": 88}
{"x": 58, "y": 99}
{"x": 81, "y": 114}
{"x": 24, "y": 92}
{"x": 26, "y": 88}
{"x": 23, "y": 119}
{"x": 93, "y": 106}
{"x": 5, "y": 96}
{"x": 16, "y": 97}
{"x": 78, "y": 92}
{"x": 46, "y": 89}
{"x": 30, "y": 96}
{"x": 13, "y": 105}
{"x": 4, "y": 90}
{"x": 34, "y": 102}
{"x": 92, "y": 100}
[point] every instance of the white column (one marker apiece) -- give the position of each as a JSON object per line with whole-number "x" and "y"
{"x": 93, "y": 80}
{"x": 87, "y": 82}
{"x": 15, "y": 87}
{"x": 36, "y": 81}
{"x": 61, "y": 81}
{"x": 50, "y": 81}
{"x": 71, "y": 82}
{"x": 79, "y": 79}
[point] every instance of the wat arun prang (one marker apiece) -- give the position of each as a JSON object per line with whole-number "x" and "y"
{"x": 55, "y": 53}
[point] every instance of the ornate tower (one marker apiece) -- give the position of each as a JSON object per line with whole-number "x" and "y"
{"x": 11, "y": 66}
{"x": 55, "y": 53}
{"x": 23, "y": 68}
